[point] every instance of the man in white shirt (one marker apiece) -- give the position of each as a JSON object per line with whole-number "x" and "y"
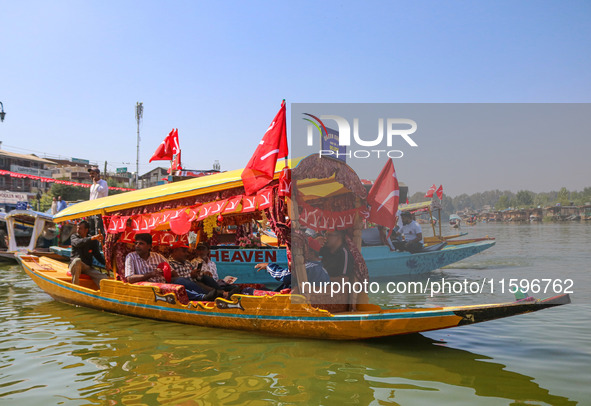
{"x": 98, "y": 189}
{"x": 99, "y": 186}
{"x": 413, "y": 235}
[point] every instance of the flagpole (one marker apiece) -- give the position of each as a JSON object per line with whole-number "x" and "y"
{"x": 285, "y": 158}
{"x": 139, "y": 112}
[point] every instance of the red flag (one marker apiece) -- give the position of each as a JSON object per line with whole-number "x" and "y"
{"x": 176, "y": 164}
{"x": 261, "y": 167}
{"x": 167, "y": 148}
{"x": 440, "y": 192}
{"x": 383, "y": 197}
{"x": 431, "y": 191}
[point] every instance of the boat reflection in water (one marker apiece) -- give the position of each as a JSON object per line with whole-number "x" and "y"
{"x": 121, "y": 360}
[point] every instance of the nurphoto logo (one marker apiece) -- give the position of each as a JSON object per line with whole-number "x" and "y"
{"x": 334, "y": 142}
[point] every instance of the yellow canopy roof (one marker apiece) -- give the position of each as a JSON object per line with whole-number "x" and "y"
{"x": 320, "y": 188}
{"x": 414, "y": 206}
{"x": 161, "y": 193}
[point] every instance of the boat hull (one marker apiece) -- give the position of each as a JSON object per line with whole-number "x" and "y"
{"x": 284, "y": 315}
{"x": 383, "y": 263}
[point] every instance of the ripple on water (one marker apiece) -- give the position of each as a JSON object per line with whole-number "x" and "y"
{"x": 51, "y": 353}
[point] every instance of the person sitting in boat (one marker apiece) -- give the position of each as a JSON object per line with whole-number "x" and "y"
{"x": 84, "y": 248}
{"x": 208, "y": 267}
{"x": 413, "y": 235}
{"x": 376, "y": 236}
{"x": 336, "y": 258}
{"x": 184, "y": 273}
{"x": 278, "y": 272}
{"x": 315, "y": 272}
{"x": 143, "y": 265}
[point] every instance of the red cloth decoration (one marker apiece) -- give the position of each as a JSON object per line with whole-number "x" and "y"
{"x": 166, "y": 271}
{"x": 51, "y": 180}
{"x": 180, "y": 223}
{"x": 178, "y": 290}
{"x": 233, "y": 204}
{"x": 285, "y": 182}
{"x": 321, "y": 220}
{"x": 218, "y": 207}
{"x": 205, "y": 211}
{"x": 264, "y": 198}
{"x": 128, "y": 236}
{"x": 249, "y": 204}
{"x": 260, "y": 169}
{"x": 384, "y": 196}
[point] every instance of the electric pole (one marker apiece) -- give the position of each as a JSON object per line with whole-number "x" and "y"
{"x": 139, "y": 112}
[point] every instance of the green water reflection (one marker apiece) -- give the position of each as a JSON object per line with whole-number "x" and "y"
{"x": 111, "y": 359}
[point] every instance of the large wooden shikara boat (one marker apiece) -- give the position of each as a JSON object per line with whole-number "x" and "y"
{"x": 281, "y": 314}
{"x": 186, "y": 210}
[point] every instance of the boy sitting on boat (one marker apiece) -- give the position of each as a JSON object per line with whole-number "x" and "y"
{"x": 185, "y": 273}
{"x": 315, "y": 272}
{"x": 208, "y": 267}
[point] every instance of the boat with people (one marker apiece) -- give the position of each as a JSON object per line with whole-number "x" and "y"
{"x": 216, "y": 207}
{"x": 26, "y": 231}
{"x": 455, "y": 221}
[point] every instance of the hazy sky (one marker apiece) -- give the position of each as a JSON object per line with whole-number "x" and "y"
{"x": 72, "y": 71}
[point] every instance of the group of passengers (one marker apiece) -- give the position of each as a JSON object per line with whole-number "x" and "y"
{"x": 144, "y": 265}
{"x": 326, "y": 256}
{"x": 406, "y": 236}
{"x": 199, "y": 277}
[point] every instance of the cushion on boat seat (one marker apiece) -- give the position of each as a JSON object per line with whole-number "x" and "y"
{"x": 82, "y": 275}
{"x": 255, "y": 286}
{"x": 178, "y": 290}
{"x": 258, "y": 292}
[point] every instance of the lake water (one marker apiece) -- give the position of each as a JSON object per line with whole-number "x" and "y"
{"x": 52, "y": 353}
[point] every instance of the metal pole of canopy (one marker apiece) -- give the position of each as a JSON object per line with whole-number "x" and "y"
{"x": 298, "y": 266}
{"x": 431, "y": 220}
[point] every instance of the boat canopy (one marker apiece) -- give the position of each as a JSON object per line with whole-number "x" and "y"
{"x": 39, "y": 221}
{"x": 415, "y": 206}
{"x": 27, "y": 216}
{"x": 162, "y": 193}
{"x": 322, "y": 178}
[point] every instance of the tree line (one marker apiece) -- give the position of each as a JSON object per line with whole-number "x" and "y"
{"x": 501, "y": 200}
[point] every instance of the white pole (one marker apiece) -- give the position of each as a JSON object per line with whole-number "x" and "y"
{"x": 139, "y": 112}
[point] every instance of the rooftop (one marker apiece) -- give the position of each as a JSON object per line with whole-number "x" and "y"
{"x": 29, "y": 157}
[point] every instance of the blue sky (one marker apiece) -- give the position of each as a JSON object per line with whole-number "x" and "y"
{"x": 72, "y": 71}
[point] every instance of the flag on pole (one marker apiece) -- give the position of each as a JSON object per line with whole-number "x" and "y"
{"x": 168, "y": 147}
{"x": 383, "y": 197}
{"x": 176, "y": 163}
{"x": 260, "y": 169}
{"x": 440, "y": 192}
{"x": 431, "y": 191}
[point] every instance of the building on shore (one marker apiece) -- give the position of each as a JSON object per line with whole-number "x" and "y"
{"x": 550, "y": 213}
{"x": 24, "y": 164}
{"x": 76, "y": 170}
